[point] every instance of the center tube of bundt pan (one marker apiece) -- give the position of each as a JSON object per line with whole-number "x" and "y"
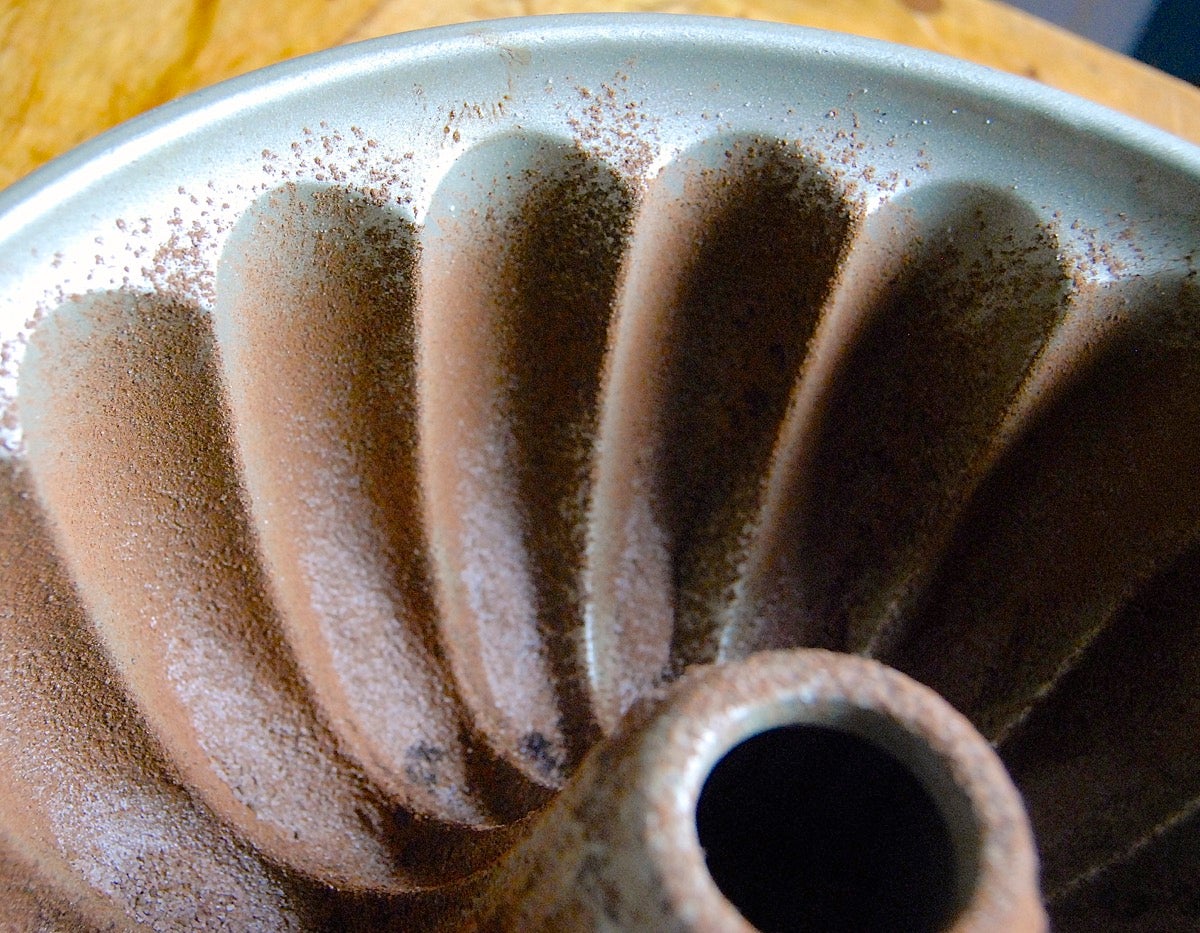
{"x": 793, "y": 791}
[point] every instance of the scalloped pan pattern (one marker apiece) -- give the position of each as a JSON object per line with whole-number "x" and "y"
{"x": 354, "y": 492}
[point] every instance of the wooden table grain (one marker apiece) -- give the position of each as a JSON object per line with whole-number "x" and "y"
{"x": 72, "y": 68}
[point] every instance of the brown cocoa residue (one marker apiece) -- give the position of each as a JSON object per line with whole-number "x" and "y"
{"x": 521, "y": 255}
{"x": 86, "y": 791}
{"x": 129, "y": 444}
{"x": 939, "y": 352}
{"x": 1076, "y": 518}
{"x": 317, "y": 324}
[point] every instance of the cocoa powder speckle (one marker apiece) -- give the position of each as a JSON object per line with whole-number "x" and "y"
{"x": 361, "y": 510}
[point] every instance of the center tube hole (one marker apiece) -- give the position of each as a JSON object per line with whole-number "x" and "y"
{"x": 807, "y": 827}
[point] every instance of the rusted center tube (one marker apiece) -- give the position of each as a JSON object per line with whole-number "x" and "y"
{"x": 795, "y": 790}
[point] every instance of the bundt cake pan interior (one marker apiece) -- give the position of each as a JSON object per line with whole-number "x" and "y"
{"x": 379, "y": 433}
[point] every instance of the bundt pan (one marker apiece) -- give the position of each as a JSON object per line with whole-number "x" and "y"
{"x": 604, "y": 473}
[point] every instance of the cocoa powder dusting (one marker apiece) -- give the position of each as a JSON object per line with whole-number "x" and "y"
{"x": 87, "y": 796}
{"x": 729, "y": 260}
{"x": 343, "y": 581}
{"x": 315, "y": 318}
{"x": 932, "y": 358}
{"x": 616, "y": 127}
{"x": 129, "y": 445}
{"x": 752, "y": 294}
{"x": 521, "y": 251}
{"x": 1075, "y": 519}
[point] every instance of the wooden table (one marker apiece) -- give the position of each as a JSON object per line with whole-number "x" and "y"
{"x": 71, "y": 68}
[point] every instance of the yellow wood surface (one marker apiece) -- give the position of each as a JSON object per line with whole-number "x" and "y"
{"x": 71, "y": 68}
